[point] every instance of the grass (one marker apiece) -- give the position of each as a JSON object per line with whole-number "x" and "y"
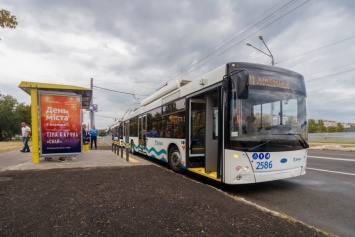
{"x": 339, "y": 142}
{"x": 344, "y": 144}
{"x": 12, "y": 145}
{"x": 18, "y": 145}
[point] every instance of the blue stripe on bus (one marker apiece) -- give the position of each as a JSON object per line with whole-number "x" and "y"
{"x": 162, "y": 151}
{"x": 152, "y": 149}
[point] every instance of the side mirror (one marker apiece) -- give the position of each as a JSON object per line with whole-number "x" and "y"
{"x": 242, "y": 79}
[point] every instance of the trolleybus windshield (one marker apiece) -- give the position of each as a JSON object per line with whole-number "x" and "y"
{"x": 273, "y": 116}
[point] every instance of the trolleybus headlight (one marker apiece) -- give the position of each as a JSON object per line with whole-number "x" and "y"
{"x": 238, "y": 168}
{"x": 246, "y": 168}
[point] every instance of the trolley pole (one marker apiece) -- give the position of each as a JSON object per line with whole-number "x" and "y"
{"x": 92, "y": 118}
{"x": 270, "y": 55}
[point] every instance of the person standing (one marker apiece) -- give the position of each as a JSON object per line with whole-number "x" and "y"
{"x": 84, "y": 133}
{"x": 93, "y": 133}
{"x": 26, "y": 134}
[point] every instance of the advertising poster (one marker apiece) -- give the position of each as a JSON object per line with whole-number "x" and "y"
{"x": 60, "y": 118}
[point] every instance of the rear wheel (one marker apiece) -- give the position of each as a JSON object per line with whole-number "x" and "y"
{"x": 132, "y": 148}
{"x": 175, "y": 159}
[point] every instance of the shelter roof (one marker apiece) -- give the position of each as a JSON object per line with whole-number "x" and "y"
{"x": 86, "y": 93}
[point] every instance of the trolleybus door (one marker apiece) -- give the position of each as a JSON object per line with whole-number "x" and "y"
{"x": 197, "y": 128}
{"x": 142, "y": 132}
{"x": 211, "y": 132}
{"x": 205, "y": 134}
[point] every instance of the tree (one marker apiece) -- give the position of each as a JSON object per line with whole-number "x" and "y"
{"x": 23, "y": 113}
{"x": 7, "y": 20}
{"x": 11, "y": 115}
{"x": 312, "y": 126}
{"x": 339, "y": 128}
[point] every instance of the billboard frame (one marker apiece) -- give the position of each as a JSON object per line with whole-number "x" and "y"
{"x": 41, "y": 129}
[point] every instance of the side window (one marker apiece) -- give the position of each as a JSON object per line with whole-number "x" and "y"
{"x": 175, "y": 125}
{"x": 154, "y": 121}
{"x": 133, "y": 127}
{"x": 173, "y": 122}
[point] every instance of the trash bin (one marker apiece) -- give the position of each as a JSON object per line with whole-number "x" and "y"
{"x": 86, "y": 147}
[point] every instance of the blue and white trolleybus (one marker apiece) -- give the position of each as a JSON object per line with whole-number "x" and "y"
{"x": 241, "y": 123}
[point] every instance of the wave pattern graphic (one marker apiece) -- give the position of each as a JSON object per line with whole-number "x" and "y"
{"x": 155, "y": 153}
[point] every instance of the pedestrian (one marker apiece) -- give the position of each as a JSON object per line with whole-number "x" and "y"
{"x": 84, "y": 133}
{"x": 93, "y": 133}
{"x": 26, "y": 134}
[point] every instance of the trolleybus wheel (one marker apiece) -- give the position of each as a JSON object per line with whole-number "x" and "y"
{"x": 174, "y": 159}
{"x": 132, "y": 148}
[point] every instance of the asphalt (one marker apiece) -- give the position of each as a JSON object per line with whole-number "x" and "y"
{"x": 98, "y": 193}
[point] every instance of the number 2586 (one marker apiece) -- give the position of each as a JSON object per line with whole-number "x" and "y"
{"x": 263, "y": 165}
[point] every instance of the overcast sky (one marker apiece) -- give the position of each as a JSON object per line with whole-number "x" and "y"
{"x": 137, "y": 46}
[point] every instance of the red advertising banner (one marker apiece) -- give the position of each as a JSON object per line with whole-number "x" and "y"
{"x": 60, "y": 124}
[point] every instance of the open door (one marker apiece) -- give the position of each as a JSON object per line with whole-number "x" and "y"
{"x": 205, "y": 134}
{"x": 197, "y": 128}
{"x": 211, "y": 134}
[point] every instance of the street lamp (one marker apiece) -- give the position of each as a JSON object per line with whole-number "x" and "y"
{"x": 270, "y": 55}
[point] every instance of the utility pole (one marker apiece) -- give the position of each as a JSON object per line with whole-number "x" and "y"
{"x": 270, "y": 55}
{"x": 92, "y": 118}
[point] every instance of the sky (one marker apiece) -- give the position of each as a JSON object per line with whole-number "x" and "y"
{"x": 132, "y": 48}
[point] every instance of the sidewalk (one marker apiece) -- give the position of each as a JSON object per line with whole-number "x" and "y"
{"x": 16, "y": 160}
{"x": 101, "y": 194}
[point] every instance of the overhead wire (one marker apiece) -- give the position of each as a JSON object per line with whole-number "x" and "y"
{"x": 117, "y": 91}
{"x": 334, "y": 74}
{"x": 224, "y": 43}
{"x": 202, "y": 60}
{"x": 248, "y": 36}
{"x": 122, "y": 84}
{"x": 330, "y": 69}
{"x": 127, "y": 93}
{"x": 338, "y": 42}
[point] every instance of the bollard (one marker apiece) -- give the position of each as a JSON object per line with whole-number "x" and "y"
{"x": 127, "y": 153}
{"x": 115, "y": 148}
{"x": 121, "y": 151}
{"x": 118, "y": 150}
{"x": 112, "y": 146}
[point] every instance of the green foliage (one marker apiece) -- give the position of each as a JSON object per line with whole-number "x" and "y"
{"x": 7, "y": 20}
{"x": 12, "y": 114}
{"x": 319, "y": 127}
{"x": 102, "y": 132}
{"x": 340, "y": 128}
{"x": 312, "y": 127}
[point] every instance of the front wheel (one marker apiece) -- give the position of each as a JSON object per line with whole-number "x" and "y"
{"x": 175, "y": 159}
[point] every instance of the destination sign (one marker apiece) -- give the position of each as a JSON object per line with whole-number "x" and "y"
{"x": 269, "y": 82}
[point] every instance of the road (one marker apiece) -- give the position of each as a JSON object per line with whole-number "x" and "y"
{"x": 323, "y": 198}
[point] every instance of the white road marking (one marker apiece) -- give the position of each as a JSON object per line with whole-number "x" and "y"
{"x": 330, "y": 171}
{"x": 327, "y": 158}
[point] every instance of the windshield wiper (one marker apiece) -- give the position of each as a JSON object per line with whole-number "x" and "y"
{"x": 262, "y": 144}
{"x": 300, "y": 139}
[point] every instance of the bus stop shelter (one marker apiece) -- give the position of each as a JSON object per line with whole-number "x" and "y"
{"x": 33, "y": 89}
